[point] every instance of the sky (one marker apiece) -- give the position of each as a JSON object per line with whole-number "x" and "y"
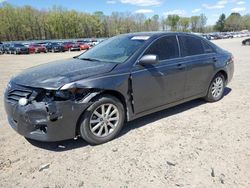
{"x": 211, "y": 8}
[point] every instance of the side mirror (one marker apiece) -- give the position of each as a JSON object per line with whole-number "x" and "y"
{"x": 149, "y": 59}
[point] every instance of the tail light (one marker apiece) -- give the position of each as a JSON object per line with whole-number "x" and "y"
{"x": 231, "y": 60}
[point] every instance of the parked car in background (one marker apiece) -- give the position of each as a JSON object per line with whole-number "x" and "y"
{"x": 67, "y": 45}
{"x": 6, "y": 47}
{"x": 17, "y": 48}
{"x": 121, "y": 79}
{"x": 215, "y": 36}
{"x": 246, "y": 42}
{"x": 208, "y": 37}
{"x": 84, "y": 46}
{"x": 1, "y": 48}
{"x": 75, "y": 47}
{"x": 54, "y": 47}
{"x": 36, "y": 48}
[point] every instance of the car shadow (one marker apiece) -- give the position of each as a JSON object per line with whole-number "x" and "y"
{"x": 165, "y": 113}
{"x": 135, "y": 124}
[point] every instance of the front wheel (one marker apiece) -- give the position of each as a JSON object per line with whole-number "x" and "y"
{"x": 103, "y": 120}
{"x": 216, "y": 88}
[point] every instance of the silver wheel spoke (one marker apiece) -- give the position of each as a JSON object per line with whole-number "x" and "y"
{"x": 95, "y": 121}
{"x": 96, "y": 126}
{"x": 111, "y": 125}
{"x": 98, "y": 114}
{"x": 113, "y": 112}
{"x": 103, "y": 110}
{"x": 100, "y": 131}
{"x": 114, "y": 119}
{"x": 108, "y": 110}
{"x": 106, "y": 129}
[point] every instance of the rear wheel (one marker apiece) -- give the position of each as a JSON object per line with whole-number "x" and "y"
{"x": 103, "y": 120}
{"x": 216, "y": 88}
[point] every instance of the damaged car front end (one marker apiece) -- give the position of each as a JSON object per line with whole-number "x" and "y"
{"x": 45, "y": 115}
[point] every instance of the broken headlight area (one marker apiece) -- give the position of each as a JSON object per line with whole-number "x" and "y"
{"x": 74, "y": 94}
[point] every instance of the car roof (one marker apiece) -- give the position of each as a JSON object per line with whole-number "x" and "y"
{"x": 158, "y": 33}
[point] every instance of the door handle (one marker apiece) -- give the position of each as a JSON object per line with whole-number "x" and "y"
{"x": 214, "y": 59}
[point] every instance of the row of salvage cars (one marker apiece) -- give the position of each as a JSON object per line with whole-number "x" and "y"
{"x": 44, "y": 47}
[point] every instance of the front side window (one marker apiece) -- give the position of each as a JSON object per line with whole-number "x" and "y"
{"x": 165, "y": 48}
{"x": 191, "y": 46}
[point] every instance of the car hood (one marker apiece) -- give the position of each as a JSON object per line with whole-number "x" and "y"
{"x": 56, "y": 74}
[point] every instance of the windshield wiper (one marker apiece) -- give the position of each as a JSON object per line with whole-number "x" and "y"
{"x": 89, "y": 59}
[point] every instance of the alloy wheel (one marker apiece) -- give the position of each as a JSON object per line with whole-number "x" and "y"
{"x": 104, "y": 120}
{"x": 217, "y": 87}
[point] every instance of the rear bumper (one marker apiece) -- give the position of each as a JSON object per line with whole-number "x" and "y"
{"x": 53, "y": 121}
{"x": 230, "y": 72}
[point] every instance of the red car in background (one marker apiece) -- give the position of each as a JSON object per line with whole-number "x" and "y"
{"x": 84, "y": 46}
{"x": 67, "y": 45}
{"x": 36, "y": 48}
{"x": 71, "y": 46}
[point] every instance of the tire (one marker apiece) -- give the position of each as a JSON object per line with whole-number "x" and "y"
{"x": 216, "y": 88}
{"x": 100, "y": 131}
{"x": 247, "y": 42}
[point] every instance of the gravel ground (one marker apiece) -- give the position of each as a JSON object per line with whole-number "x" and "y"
{"x": 196, "y": 144}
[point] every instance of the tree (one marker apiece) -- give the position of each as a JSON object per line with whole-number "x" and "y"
{"x": 194, "y": 20}
{"x": 220, "y": 24}
{"x": 202, "y": 23}
{"x": 28, "y": 23}
{"x": 172, "y": 21}
{"x": 184, "y": 24}
{"x": 233, "y": 22}
{"x": 245, "y": 22}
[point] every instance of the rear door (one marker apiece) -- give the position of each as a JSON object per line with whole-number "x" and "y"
{"x": 155, "y": 85}
{"x": 200, "y": 59}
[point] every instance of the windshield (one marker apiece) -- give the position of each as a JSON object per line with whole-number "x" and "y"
{"x": 115, "y": 50}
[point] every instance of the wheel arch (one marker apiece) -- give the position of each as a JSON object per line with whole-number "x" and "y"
{"x": 113, "y": 93}
{"x": 224, "y": 73}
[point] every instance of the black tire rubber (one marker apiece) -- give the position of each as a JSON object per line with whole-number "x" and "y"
{"x": 84, "y": 129}
{"x": 209, "y": 97}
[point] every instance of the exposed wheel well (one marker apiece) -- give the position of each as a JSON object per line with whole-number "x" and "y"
{"x": 117, "y": 95}
{"x": 224, "y": 74}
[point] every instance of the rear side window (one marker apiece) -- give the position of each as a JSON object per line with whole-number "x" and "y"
{"x": 165, "y": 48}
{"x": 207, "y": 47}
{"x": 191, "y": 46}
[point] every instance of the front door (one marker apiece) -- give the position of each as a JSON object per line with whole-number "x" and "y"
{"x": 159, "y": 84}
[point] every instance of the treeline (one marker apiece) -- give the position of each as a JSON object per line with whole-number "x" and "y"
{"x": 28, "y": 23}
{"x": 234, "y": 22}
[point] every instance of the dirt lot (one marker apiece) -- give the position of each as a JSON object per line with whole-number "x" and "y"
{"x": 196, "y": 144}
